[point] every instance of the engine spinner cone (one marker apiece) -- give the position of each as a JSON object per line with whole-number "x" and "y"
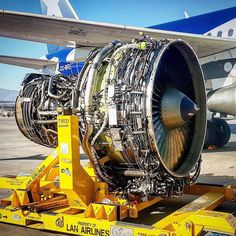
{"x": 176, "y": 108}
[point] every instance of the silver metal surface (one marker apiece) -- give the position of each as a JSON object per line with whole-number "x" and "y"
{"x": 170, "y": 108}
{"x": 36, "y": 115}
{"x": 223, "y": 100}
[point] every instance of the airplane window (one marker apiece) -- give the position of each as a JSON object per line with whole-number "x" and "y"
{"x": 219, "y": 34}
{"x": 230, "y": 32}
{"x": 209, "y": 34}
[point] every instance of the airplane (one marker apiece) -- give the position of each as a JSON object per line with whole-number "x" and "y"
{"x": 70, "y": 39}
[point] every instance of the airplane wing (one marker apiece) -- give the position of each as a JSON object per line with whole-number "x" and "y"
{"x": 26, "y": 62}
{"x": 62, "y": 31}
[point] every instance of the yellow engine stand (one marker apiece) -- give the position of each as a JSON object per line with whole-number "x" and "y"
{"x": 77, "y": 203}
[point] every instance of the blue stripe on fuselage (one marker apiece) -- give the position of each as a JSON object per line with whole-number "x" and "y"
{"x": 70, "y": 69}
{"x": 199, "y": 24}
{"x": 66, "y": 68}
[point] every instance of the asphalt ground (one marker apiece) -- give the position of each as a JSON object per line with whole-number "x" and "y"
{"x": 18, "y": 154}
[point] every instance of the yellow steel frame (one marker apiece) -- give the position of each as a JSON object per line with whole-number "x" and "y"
{"x": 78, "y": 203}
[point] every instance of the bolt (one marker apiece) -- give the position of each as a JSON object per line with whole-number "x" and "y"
{"x": 188, "y": 225}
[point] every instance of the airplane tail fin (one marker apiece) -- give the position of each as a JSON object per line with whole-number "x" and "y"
{"x": 60, "y": 8}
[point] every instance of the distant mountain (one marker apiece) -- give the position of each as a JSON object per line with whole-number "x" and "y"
{"x": 8, "y": 95}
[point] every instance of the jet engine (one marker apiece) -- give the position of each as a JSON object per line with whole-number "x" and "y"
{"x": 142, "y": 114}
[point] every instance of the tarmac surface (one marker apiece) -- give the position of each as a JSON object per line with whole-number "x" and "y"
{"x": 18, "y": 154}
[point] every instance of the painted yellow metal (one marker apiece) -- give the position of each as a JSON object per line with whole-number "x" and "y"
{"x": 101, "y": 191}
{"x": 78, "y": 224}
{"x": 135, "y": 209}
{"x": 214, "y": 221}
{"x": 229, "y": 191}
{"x": 74, "y": 180}
{"x": 101, "y": 211}
{"x": 10, "y": 183}
{"x": 26, "y": 188}
{"x": 79, "y": 204}
{"x": 40, "y": 171}
{"x": 27, "y": 182}
{"x": 188, "y": 214}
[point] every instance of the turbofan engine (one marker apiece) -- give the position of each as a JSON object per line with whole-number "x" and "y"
{"x": 142, "y": 113}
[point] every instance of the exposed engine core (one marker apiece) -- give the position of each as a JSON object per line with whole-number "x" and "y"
{"x": 37, "y": 104}
{"x": 142, "y": 112}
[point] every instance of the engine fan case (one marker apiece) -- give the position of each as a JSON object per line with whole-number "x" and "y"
{"x": 196, "y": 90}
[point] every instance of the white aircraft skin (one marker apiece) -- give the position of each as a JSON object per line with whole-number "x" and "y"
{"x": 225, "y": 57}
{"x": 52, "y": 8}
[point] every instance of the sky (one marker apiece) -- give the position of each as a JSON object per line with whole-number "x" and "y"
{"x": 130, "y": 12}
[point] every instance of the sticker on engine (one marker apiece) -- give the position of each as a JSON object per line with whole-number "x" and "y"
{"x": 111, "y": 91}
{"x": 26, "y": 99}
{"x": 120, "y": 231}
{"x": 112, "y": 115}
